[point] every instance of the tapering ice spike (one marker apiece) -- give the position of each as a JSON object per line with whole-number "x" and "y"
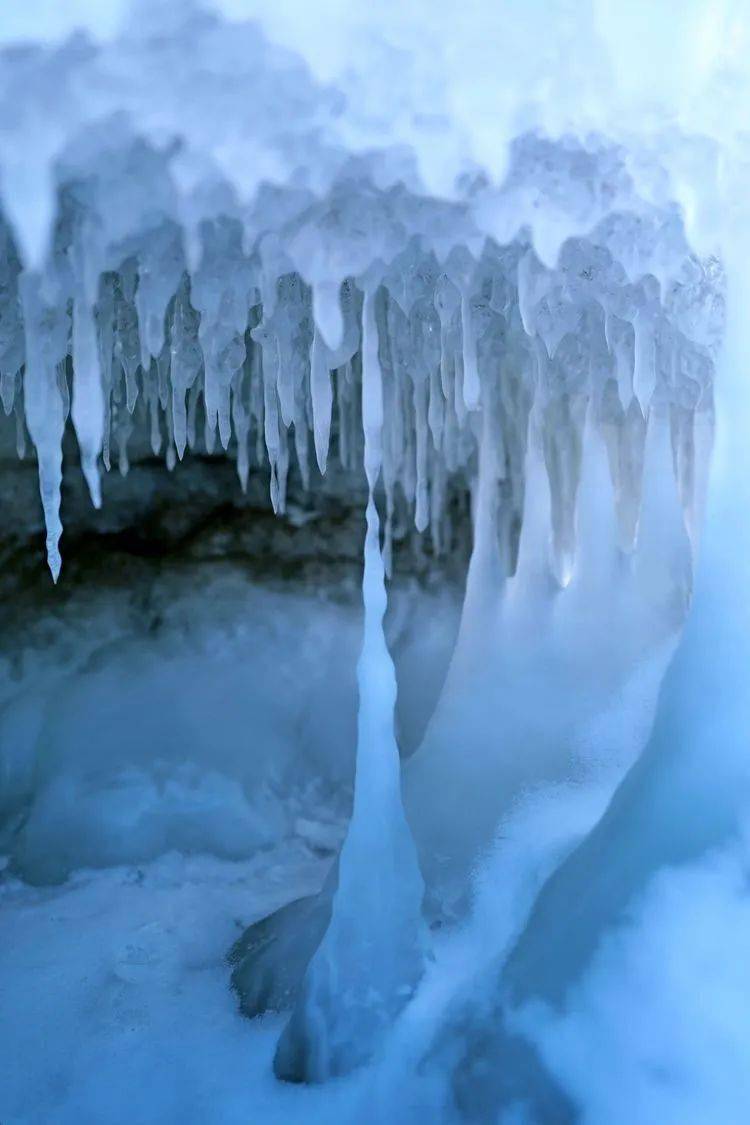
{"x": 471, "y": 387}
{"x": 371, "y": 955}
{"x": 87, "y": 409}
{"x": 46, "y": 333}
{"x": 321, "y": 391}
{"x": 327, "y": 312}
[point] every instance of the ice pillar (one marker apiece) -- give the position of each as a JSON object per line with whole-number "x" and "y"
{"x": 371, "y": 956}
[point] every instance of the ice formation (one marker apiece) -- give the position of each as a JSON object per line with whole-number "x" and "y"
{"x": 370, "y": 958}
{"x": 444, "y": 256}
{"x": 155, "y": 277}
{"x": 236, "y": 344}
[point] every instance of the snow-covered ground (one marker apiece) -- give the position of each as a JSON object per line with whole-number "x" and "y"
{"x": 115, "y": 1000}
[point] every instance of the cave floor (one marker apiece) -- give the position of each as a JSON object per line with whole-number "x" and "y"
{"x": 116, "y": 1003}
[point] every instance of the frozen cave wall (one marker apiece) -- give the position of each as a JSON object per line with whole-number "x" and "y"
{"x": 157, "y": 314}
{"x": 555, "y": 354}
{"x": 183, "y": 577}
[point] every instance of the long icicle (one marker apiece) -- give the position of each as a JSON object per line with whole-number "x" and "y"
{"x": 371, "y": 956}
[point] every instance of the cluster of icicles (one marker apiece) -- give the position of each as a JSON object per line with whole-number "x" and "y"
{"x": 240, "y": 352}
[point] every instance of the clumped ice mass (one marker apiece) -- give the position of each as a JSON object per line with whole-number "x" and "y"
{"x": 430, "y": 284}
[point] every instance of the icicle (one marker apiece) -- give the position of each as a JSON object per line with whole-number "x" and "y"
{"x": 302, "y": 449}
{"x": 160, "y": 267}
{"x": 372, "y": 391}
{"x": 241, "y": 422}
{"x": 285, "y": 391}
{"x": 532, "y": 285}
{"x": 407, "y": 443}
{"x": 663, "y": 564}
{"x": 533, "y": 577}
{"x": 344, "y": 404}
{"x": 104, "y": 312}
{"x": 447, "y": 300}
{"x": 209, "y": 432}
{"x": 327, "y": 312}
{"x": 445, "y": 342}
{"x": 151, "y": 383}
{"x": 422, "y": 506}
{"x": 11, "y": 320}
{"x": 596, "y": 527}
{"x": 436, "y": 409}
{"x": 644, "y": 366}
{"x": 372, "y": 953}
{"x": 339, "y": 384}
{"x": 61, "y": 373}
{"x": 469, "y": 354}
{"x": 281, "y": 474}
{"x": 46, "y": 333}
{"x": 271, "y": 420}
{"x": 619, "y": 337}
{"x": 194, "y": 396}
{"x": 257, "y": 409}
{"x": 88, "y": 397}
{"x": 563, "y": 426}
{"x": 450, "y": 439}
{"x": 224, "y": 415}
{"x": 185, "y": 361}
{"x": 126, "y": 345}
{"x": 8, "y": 382}
{"x": 322, "y": 399}
{"x": 20, "y": 431}
{"x": 437, "y": 503}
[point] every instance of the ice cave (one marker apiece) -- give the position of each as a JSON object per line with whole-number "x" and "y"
{"x": 375, "y": 545}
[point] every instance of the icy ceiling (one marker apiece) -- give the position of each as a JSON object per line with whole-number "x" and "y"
{"x": 200, "y": 213}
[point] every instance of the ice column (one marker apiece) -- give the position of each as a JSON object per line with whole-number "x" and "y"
{"x": 690, "y": 790}
{"x": 371, "y": 956}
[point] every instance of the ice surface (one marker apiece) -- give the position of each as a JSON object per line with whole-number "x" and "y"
{"x": 122, "y": 957}
{"x": 638, "y": 1004}
{"x": 485, "y": 256}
